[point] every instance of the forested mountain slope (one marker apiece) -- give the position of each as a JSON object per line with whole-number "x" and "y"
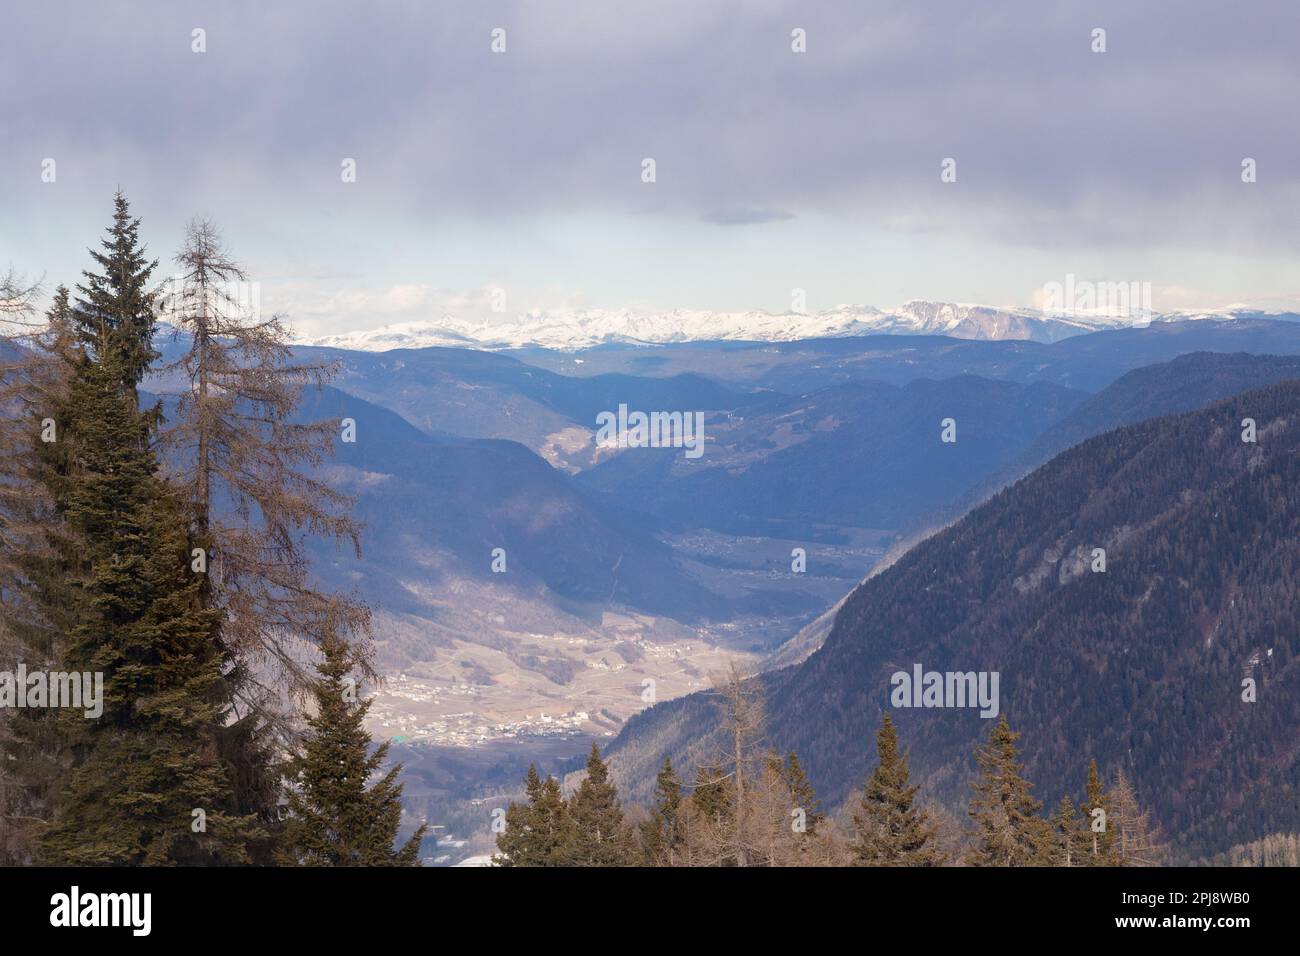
{"x": 863, "y": 455}
{"x": 418, "y": 493}
{"x": 1186, "y": 383}
{"x": 1141, "y": 666}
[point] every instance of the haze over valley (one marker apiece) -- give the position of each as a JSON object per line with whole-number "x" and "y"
{"x": 632, "y": 576}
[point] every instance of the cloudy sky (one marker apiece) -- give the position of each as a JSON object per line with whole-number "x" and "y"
{"x": 523, "y": 170}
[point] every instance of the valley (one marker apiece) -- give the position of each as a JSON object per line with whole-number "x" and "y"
{"x": 833, "y": 438}
{"x": 637, "y": 575}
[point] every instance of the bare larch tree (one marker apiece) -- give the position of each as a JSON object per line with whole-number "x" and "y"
{"x": 249, "y": 474}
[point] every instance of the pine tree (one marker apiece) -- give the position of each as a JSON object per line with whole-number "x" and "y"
{"x": 146, "y": 786}
{"x": 599, "y": 837}
{"x": 802, "y": 795}
{"x": 115, "y": 314}
{"x": 1069, "y": 835}
{"x": 889, "y": 829}
{"x": 334, "y": 818}
{"x": 710, "y": 797}
{"x": 519, "y": 841}
{"x": 1008, "y": 829}
{"x": 141, "y": 770}
{"x": 709, "y": 818}
{"x": 539, "y": 832}
{"x": 663, "y": 835}
{"x": 143, "y": 782}
{"x": 1097, "y": 812}
{"x": 36, "y": 361}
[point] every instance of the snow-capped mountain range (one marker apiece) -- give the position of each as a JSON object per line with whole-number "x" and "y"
{"x": 572, "y": 330}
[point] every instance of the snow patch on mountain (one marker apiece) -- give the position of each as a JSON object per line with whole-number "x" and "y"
{"x": 572, "y": 330}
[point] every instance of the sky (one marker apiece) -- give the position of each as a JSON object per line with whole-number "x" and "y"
{"x": 524, "y": 170}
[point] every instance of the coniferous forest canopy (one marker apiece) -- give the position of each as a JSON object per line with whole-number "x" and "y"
{"x": 855, "y": 442}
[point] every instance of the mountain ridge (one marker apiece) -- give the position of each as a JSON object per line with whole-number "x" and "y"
{"x": 577, "y": 329}
{"x": 1140, "y": 667}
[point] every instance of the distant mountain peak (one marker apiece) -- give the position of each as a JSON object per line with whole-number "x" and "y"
{"x": 574, "y": 329}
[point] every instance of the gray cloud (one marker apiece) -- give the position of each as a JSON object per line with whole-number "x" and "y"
{"x": 746, "y": 216}
{"x": 1140, "y": 144}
